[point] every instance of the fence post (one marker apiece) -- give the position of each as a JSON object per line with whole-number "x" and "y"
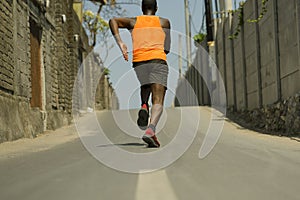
{"x": 224, "y": 57}
{"x": 197, "y": 74}
{"x": 216, "y": 55}
{"x": 277, "y": 55}
{"x": 244, "y": 65}
{"x": 298, "y": 29}
{"x": 207, "y": 73}
{"x": 258, "y": 54}
{"x": 233, "y": 64}
{"x": 201, "y": 91}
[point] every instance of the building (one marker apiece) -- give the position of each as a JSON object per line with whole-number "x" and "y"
{"x": 42, "y": 47}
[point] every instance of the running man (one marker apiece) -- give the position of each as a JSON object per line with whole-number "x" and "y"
{"x": 151, "y": 44}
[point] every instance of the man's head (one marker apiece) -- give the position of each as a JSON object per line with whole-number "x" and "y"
{"x": 149, "y": 5}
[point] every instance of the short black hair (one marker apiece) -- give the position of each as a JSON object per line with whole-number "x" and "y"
{"x": 149, "y": 4}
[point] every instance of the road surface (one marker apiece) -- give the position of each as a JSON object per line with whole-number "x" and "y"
{"x": 243, "y": 165}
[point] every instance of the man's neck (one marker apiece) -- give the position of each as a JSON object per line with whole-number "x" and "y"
{"x": 149, "y": 12}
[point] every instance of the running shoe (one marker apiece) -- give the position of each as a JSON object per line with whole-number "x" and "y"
{"x": 143, "y": 117}
{"x": 150, "y": 138}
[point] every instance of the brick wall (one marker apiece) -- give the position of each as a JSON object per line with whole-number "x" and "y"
{"x": 20, "y": 64}
{"x": 6, "y": 47}
{"x": 68, "y": 54}
{"x": 17, "y": 118}
{"x": 40, "y": 55}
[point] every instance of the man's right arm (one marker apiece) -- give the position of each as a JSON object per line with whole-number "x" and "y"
{"x": 165, "y": 23}
{"x": 117, "y": 23}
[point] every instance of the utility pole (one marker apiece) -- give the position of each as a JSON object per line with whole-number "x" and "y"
{"x": 217, "y": 8}
{"x": 209, "y": 24}
{"x": 226, "y": 5}
{"x": 188, "y": 32}
{"x": 180, "y": 55}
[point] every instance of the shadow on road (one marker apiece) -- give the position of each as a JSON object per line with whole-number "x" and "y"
{"x": 124, "y": 145}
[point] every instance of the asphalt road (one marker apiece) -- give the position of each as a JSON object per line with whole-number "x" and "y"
{"x": 243, "y": 165}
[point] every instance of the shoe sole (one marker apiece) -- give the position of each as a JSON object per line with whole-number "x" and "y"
{"x": 143, "y": 119}
{"x": 151, "y": 142}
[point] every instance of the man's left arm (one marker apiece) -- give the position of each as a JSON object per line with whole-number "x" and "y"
{"x": 167, "y": 28}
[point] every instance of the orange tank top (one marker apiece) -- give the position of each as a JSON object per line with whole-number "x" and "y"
{"x": 148, "y": 38}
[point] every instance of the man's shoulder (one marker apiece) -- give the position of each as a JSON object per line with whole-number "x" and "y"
{"x": 164, "y": 22}
{"x": 164, "y": 19}
{"x": 131, "y": 21}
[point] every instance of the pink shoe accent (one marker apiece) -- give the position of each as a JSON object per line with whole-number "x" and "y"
{"x": 150, "y": 138}
{"x": 144, "y": 106}
{"x": 149, "y": 132}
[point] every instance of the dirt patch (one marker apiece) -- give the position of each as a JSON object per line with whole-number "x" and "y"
{"x": 42, "y": 142}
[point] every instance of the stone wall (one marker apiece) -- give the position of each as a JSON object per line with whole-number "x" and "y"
{"x": 282, "y": 118}
{"x": 260, "y": 68}
{"x": 39, "y": 59}
{"x": 93, "y": 90}
{"x": 105, "y": 96}
{"x": 41, "y": 50}
{"x": 18, "y": 119}
{"x": 6, "y": 47}
{"x": 263, "y": 86}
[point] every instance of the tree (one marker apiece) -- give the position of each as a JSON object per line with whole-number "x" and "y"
{"x": 96, "y": 23}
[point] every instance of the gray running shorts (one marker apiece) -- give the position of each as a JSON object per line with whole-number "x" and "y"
{"x": 152, "y": 71}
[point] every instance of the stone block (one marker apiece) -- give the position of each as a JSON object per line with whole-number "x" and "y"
{"x": 252, "y": 83}
{"x": 251, "y": 64}
{"x": 248, "y": 9}
{"x": 56, "y": 119}
{"x": 17, "y": 120}
{"x": 289, "y": 85}
{"x": 238, "y": 71}
{"x": 240, "y": 89}
{"x": 267, "y": 43}
{"x": 286, "y": 12}
{"x": 269, "y": 94}
{"x": 250, "y": 45}
{"x": 289, "y": 61}
{"x": 253, "y": 100}
{"x": 268, "y": 74}
{"x": 237, "y": 50}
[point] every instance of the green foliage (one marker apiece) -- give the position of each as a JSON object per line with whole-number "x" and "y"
{"x": 240, "y": 12}
{"x": 241, "y": 17}
{"x": 94, "y": 23}
{"x": 199, "y": 37}
{"x": 262, "y": 13}
{"x": 106, "y": 71}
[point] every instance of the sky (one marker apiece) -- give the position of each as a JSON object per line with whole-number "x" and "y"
{"x": 122, "y": 75}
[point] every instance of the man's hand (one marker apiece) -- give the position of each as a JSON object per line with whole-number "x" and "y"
{"x": 117, "y": 23}
{"x": 123, "y": 48}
